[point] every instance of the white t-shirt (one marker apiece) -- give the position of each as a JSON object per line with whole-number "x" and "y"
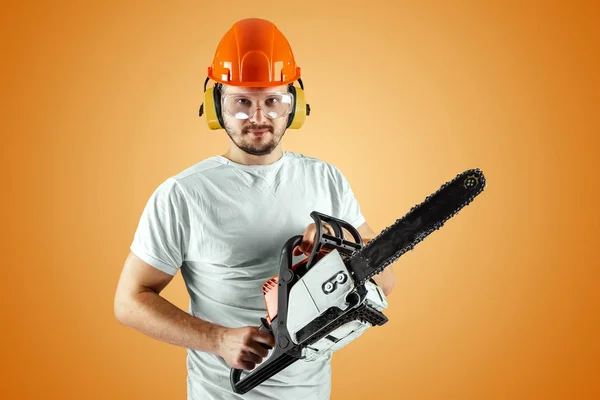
{"x": 223, "y": 225}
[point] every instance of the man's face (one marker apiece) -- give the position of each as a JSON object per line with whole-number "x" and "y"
{"x": 257, "y": 135}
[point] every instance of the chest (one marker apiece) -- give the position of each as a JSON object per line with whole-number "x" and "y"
{"x": 249, "y": 220}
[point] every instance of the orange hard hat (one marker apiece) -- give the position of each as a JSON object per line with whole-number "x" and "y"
{"x": 254, "y": 53}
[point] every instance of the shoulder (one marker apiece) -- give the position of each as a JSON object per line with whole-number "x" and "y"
{"x": 321, "y": 167}
{"x": 175, "y": 188}
{"x": 205, "y": 169}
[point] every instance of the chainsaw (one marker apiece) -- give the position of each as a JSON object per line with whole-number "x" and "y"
{"x": 322, "y": 303}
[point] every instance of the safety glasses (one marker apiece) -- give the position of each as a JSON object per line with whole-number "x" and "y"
{"x": 244, "y": 105}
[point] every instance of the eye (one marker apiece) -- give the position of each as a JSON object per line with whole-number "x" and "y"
{"x": 271, "y": 101}
{"x": 242, "y": 101}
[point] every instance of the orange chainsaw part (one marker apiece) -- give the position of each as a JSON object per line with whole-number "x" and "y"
{"x": 270, "y": 287}
{"x": 254, "y": 52}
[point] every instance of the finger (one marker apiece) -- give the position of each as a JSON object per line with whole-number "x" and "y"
{"x": 249, "y": 356}
{"x": 242, "y": 363}
{"x": 327, "y": 229}
{"x": 247, "y": 365}
{"x": 266, "y": 338}
{"x": 308, "y": 248}
{"x": 307, "y": 242}
{"x": 308, "y": 238}
{"x": 302, "y": 248}
{"x": 260, "y": 347}
{"x": 309, "y": 233}
{"x": 297, "y": 251}
{"x": 258, "y": 350}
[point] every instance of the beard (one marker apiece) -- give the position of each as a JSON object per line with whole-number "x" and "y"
{"x": 257, "y": 148}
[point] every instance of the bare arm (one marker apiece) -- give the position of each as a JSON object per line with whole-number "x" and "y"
{"x": 138, "y": 304}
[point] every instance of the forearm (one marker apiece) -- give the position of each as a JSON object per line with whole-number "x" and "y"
{"x": 154, "y": 316}
{"x": 386, "y": 280}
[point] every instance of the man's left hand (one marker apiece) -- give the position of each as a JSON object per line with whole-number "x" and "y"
{"x": 308, "y": 239}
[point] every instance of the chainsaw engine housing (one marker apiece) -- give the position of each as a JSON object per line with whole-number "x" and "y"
{"x": 326, "y": 285}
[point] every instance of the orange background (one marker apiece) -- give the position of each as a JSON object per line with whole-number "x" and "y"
{"x": 100, "y": 106}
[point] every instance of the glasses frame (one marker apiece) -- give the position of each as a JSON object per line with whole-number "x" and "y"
{"x": 252, "y": 94}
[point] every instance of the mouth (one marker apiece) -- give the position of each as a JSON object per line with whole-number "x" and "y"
{"x": 258, "y": 132}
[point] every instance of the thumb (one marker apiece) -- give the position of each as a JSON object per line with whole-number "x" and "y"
{"x": 298, "y": 250}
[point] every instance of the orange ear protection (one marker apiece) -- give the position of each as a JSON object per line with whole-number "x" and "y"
{"x": 214, "y": 117}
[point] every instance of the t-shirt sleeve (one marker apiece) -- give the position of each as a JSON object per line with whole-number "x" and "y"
{"x": 349, "y": 206}
{"x": 162, "y": 234}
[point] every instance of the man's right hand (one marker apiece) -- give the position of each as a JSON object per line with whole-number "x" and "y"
{"x": 242, "y": 348}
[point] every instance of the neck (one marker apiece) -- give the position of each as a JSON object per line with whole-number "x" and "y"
{"x": 241, "y": 157}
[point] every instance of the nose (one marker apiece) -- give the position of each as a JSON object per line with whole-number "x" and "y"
{"x": 258, "y": 116}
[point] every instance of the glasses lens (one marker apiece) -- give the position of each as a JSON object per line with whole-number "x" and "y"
{"x": 243, "y": 106}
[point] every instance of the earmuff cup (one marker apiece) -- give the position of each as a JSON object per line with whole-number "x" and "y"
{"x": 300, "y": 111}
{"x": 212, "y": 108}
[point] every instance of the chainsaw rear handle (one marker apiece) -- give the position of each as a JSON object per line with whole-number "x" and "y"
{"x": 236, "y": 374}
{"x": 284, "y": 353}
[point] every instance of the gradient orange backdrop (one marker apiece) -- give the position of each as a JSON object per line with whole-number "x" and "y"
{"x": 100, "y": 105}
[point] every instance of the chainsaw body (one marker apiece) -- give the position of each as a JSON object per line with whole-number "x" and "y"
{"x": 314, "y": 307}
{"x": 327, "y": 285}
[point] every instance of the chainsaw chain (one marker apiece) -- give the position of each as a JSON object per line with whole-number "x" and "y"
{"x": 422, "y": 235}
